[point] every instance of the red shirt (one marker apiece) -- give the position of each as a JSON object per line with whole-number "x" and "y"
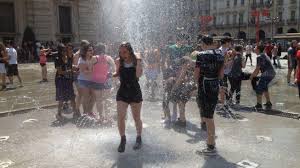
{"x": 268, "y": 50}
{"x": 298, "y": 66}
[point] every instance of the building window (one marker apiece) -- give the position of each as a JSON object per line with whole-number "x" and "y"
{"x": 228, "y": 3}
{"x": 280, "y": 16}
{"x": 215, "y": 20}
{"x": 234, "y": 19}
{"x": 279, "y": 2}
{"x": 293, "y": 15}
{"x": 65, "y": 25}
{"x": 207, "y": 12}
{"x": 293, "y": 1}
{"x": 261, "y": 2}
{"x": 241, "y": 18}
{"x": 227, "y": 19}
{"x": 7, "y": 17}
{"x": 235, "y": 2}
{"x": 215, "y": 4}
{"x": 242, "y": 2}
{"x": 279, "y": 30}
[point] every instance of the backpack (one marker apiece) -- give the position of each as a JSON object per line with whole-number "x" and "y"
{"x": 100, "y": 70}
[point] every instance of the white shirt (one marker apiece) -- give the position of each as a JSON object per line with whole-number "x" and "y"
{"x": 248, "y": 49}
{"x": 13, "y": 56}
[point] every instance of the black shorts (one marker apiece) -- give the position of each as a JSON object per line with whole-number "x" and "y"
{"x": 208, "y": 97}
{"x": 43, "y": 64}
{"x": 292, "y": 64}
{"x": 12, "y": 70}
{"x": 130, "y": 93}
{"x": 248, "y": 55}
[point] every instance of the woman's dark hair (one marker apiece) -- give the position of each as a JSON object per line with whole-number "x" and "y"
{"x": 70, "y": 45}
{"x": 128, "y": 46}
{"x": 60, "y": 49}
{"x": 238, "y": 48}
{"x": 84, "y": 47}
{"x": 207, "y": 40}
{"x": 99, "y": 49}
{"x": 261, "y": 47}
{"x": 2, "y": 48}
{"x": 226, "y": 39}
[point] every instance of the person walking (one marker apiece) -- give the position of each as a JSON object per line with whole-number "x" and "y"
{"x": 249, "y": 50}
{"x": 208, "y": 72}
{"x": 12, "y": 68}
{"x": 129, "y": 70}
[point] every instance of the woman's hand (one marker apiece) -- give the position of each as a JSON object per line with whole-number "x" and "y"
{"x": 138, "y": 57}
{"x": 115, "y": 74}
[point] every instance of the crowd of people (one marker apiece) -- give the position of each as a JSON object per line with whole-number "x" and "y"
{"x": 212, "y": 71}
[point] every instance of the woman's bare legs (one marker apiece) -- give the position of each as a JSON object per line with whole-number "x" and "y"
{"x": 136, "y": 114}
{"x": 181, "y": 106}
{"x": 99, "y": 103}
{"x": 122, "y": 110}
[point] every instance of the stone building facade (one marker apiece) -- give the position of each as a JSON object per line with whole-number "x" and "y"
{"x": 50, "y": 20}
{"x": 235, "y": 17}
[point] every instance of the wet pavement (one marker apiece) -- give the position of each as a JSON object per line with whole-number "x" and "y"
{"x": 33, "y": 94}
{"x": 270, "y": 141}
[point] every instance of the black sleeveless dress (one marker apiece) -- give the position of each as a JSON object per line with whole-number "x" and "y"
{"x": 130, "y": 90}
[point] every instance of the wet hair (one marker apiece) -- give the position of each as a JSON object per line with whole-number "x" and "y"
{"x": 128, "y": 46}
{"x": 84, "y": 43}
{"x": 60, "y": 49}
{"x": 2, "y": 48}
{"x": 298, "y": 46}
{"x": 207, "y": 40}
{"x": 238, "y": 48}
{"x": 84, "y": 47}
{"x": 70, "y": 45}
{"x": 293, "y": 42}
{"x": 226, "y": 39}
{"x": 261, "y": 47}
{"x": 99, "y": 48}
{"x": 185, "y": 59}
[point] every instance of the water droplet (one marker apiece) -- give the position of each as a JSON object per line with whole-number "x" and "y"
{"x": 247, "y": 164}
{"x": 30, "y": 121}
{"x": 261, "y": 138}
{"x": 3, "y": 138}
{"x": 6, "y": 163}
{"x": 244, "y": 120}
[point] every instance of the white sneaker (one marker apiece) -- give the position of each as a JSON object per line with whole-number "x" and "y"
{"x": 207, "y": 152}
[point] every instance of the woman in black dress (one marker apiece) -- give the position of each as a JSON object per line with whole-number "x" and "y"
{"x": 129, "y": 70}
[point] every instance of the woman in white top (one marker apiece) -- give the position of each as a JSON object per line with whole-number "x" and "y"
{"x": 84, "y": 79}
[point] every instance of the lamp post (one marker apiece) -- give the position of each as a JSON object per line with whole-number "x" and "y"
{"x": 273, "y": 20}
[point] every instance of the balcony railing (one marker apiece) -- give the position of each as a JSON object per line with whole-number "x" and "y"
{"x": 292, "y": 21}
